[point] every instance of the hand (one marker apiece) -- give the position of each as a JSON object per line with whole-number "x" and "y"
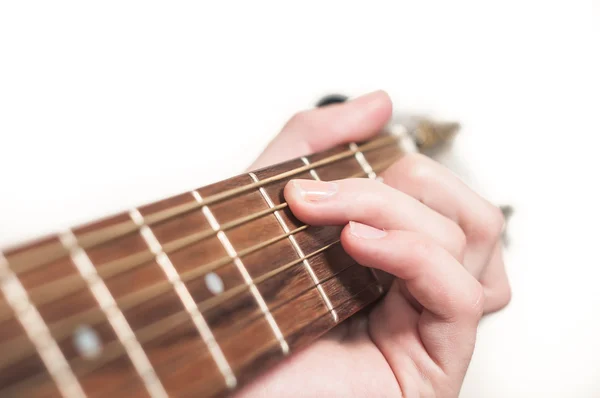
{"x": 423, "y": 225}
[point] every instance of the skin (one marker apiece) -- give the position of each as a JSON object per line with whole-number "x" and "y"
{"x": 421, "y": 224}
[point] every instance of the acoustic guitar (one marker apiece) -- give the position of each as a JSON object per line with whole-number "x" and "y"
{"x": 193, "y": 295}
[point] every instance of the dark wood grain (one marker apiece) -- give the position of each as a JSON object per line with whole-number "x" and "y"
{"x": 180, "y": 357}
{"x": 238, "y": 206}
{"x": 286, "y": 285}
{"x": 28, "y": 255}
{"x": 381, "y": 158}
{"x": 29, "y": 366}
{"x": 268, "y": 261}
{"x": 331, "y": 262}
{"x": 342, "y": 169}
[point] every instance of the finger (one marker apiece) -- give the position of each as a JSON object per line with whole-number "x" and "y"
{"x": 318, "y": 129}
{"x": 441, "y": 190}
{"x": 369, "y": 201}
{"x": 495, "y": 283}
{"x": 451, "y": 297}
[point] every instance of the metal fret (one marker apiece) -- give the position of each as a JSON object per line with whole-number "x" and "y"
{"x": 214, "y": 224}
{"x": 360, "y": 158}
{"x": 38, "y": 332}
{"x": 37, "y": 257}
{"x": 112, "y": 309}
{"x": 296, "y": 246}
{"x": 114, "y": 315}
{"x": 312, "y": 172}
{"x": 406, "y": 142}
{"x": 186, "y": 298}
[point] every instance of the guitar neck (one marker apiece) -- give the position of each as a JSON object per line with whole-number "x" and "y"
{"x": 192, "y": 295}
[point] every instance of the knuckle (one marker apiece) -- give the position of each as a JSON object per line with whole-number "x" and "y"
{"x": 489, "y": 226}
{"x": 458, "y": 243}
{"x": 473, "y": 303}
{"x": 302, "y": 118}
{"x": 415, "y": 167}
{"x": 424, "y": 250}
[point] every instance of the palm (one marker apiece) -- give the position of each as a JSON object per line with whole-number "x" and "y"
{"x": 423, "y": 226}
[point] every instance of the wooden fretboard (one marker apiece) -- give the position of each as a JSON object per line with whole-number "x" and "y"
{"x": 189, "y": 296}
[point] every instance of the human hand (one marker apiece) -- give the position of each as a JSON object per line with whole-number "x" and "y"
{"x": 423, "y": 225}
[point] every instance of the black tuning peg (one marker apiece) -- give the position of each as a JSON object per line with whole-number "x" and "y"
{"x": 331, "y": 99}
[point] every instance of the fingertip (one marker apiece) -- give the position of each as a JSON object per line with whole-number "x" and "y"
{"x": 299, "y": 197}
{"x": 376, "y": 108}
{"x": 290, "y": 192}
{"x": 373, "y": 97}
{"x": 349, "y": 242}
{"x": 317, "y": 129}
{"x": 359, "y": 241}
{"x": 498, "y": 292}
{"x": 357, "y": 119}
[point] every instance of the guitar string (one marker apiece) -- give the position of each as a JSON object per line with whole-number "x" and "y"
{"x": 55, "y": 290}
{"x": 146, "y": 334}
{"x": 70, "y": 284}
{"x": 236, "y": 222}
{"x": 19, "y": 262}
{"x": 109, "y": 269}
{"x": 61, "y": 329}
{"x": 373, "y": 287}
{"x": 79, "y": 363}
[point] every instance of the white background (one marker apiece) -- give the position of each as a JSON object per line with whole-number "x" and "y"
{"x": 110, "y": 105}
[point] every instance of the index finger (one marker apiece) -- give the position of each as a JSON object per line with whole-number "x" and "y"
{"x": 319, "y": 129}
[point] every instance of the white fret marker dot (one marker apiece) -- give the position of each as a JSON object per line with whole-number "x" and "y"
{"x": 87, "y": 342}
{"x": 214, "y": 283}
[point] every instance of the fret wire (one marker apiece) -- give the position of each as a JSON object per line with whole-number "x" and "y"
{"x": 94, "y": 238}
{"x": 181, "y": 209}
{"x": 71, "y": 284}
{"x": 376, "y": 143}
{"x": 251, "y": 217}
{"x": 223, "y": 298}
{"x": 114, "y": 316}
{"x": 313, "y": 321}
{"x": 186, "y": 298}
{"x": 133, "y": 299}
{"x": 297, "y": 247}
{"x": 212, "y": 302}
{"x": 38, "y": 333}
{"x": 247, "y": 278}
{"x": 127, "y": 302}
{"x": 159, "y": 328}
{"x": 312, "y": 172}
{"x": 364, "y": 164}
{"x": 362, "y": 161}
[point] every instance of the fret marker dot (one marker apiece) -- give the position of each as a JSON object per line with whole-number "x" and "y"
{"x": 214, "y": 283}
{"x": 87, "y": 342}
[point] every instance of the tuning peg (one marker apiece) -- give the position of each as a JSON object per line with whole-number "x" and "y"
{"x": 331, "y": 99}
{"x": 429, "y": 134}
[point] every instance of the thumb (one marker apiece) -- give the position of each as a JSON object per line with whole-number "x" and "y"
{"x": 318, "y": 129}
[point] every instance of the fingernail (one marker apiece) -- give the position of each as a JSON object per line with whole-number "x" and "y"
{"x": 314, "y": 191}
{"x": 365, "y": 231}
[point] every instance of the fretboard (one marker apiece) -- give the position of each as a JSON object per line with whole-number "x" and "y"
{"x": 193, "y": 295}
